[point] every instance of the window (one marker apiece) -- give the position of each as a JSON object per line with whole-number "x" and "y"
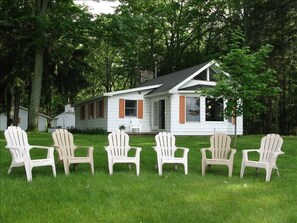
{"x": 82, "y": 112}
{"x": 214, "y": 109}
{"x": 192, "y": 109}
{"x": 212, "y": 74}
{"x": 130, "y": 108}
{"x": 202, "y": 76}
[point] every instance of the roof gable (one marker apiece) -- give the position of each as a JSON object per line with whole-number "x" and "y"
{"x": 170, "y": 83}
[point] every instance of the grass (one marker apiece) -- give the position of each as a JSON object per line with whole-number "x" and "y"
{"x": 174, "y": 197}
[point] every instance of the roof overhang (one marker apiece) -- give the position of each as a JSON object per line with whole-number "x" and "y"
{"x": 110, "y": 94}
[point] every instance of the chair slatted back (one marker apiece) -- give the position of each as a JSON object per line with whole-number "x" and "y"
{"x": 18, "y": 139}
{"x": 64, "y": 140}
{"x": 166, "y": 144}
{"x": 118, "y": 143}
{"x": 220, "y": 145}
{"x": 269, "y": 144}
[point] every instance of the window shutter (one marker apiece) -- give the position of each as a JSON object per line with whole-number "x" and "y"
{"x": 96, "y": 109}
{"x": 89, "y": 110}
{"x": 121, "y": 108}
{"x": 182, "y": 109}
{"x": 140, "y": 109}
{"x": 102, "y": 108}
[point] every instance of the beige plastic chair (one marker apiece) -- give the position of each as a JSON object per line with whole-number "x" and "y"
{"x": 135, "y": 125}
{"x": 64, "y": 144}
{"x": 269, "y": 150}
{"x": 118, "y": 149}
{"x": 166, "y": 149}
{"x": 221, "y": 153}
{"x": 17, "y": 143}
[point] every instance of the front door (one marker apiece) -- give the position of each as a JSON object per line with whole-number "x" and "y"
{"x": 159, "y": 115}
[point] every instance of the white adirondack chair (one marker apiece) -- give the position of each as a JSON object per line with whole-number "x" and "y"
{"x": 221, "y": 153}
{"x": 166, "y": 149}
{"x": 64, "y": 144}
{"x": 135, "y": 125}
{"x": 18, "y": 145}
{"x": 269, "y": 150}
{"x": 117, "y": 151}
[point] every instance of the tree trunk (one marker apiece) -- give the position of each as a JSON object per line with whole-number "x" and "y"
{"x": 41, "y": 7}
{"x": 17, "y": 99}
{"x": 36, "y": 90}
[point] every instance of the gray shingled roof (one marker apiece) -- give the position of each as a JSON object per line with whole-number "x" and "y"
{"x": 169, "y": 81}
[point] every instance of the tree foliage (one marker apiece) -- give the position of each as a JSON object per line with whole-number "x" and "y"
{"x": 86, "y": 55}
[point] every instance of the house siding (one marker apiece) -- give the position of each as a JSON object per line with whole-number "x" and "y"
{"x": 203, "y": 127}
{"x": 114, "y": 120}
{"x": 92, "y": 122}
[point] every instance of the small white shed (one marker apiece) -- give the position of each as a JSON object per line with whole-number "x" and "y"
{"x": 65, "y": 120}
{"x": 23, "y": 120}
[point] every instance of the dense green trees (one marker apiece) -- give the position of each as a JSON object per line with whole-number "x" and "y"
{"x": 84, "y": 56}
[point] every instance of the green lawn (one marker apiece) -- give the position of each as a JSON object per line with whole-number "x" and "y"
{"x": 174, "y": 197}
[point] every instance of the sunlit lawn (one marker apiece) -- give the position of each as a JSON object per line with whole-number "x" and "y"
{"x": 174, "y": 197}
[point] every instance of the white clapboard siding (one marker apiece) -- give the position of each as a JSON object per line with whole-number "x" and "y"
{"x": 203, "y": 127}
{"x": 114, "y": 121}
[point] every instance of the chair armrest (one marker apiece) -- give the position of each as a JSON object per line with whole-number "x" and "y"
{"x": 42, "y": 147}
{"x": 11, "y": 147}
{"x": 107, "y": 148}
{"x": 90, "y": 151}
{"x": 246, "y": 151}
{"x": 186, "y": 150}
{"x": 232, "y": 153}
{"x": 137, "y": 152}
{"x": 203, "y": 152}
{"x": 50, "y": 150}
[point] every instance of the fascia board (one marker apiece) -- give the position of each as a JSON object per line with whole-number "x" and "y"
{"x": 109, "y": 94}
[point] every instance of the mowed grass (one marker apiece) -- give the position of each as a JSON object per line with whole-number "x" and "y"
{"x": 174, "y": 197}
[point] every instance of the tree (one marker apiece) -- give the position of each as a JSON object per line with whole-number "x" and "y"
{"x": 41, "y": 19}
{"x": 245, "y": 81}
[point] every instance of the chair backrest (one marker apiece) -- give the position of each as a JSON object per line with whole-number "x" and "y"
{"x": 220, "y": 145}
{"x": 135, "y": 123}
{"x": 165, "y": 144}
{"x": 269, "y": 144}
{"x": 17, "y": 139}
{"x": 64, "y": 141}
{"x": 118, "y": 143}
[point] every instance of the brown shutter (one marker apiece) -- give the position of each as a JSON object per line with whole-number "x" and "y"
{"x": 97, "y": 104}
{"x": 140, "y": 109}
{"x": 89, "y": 110}
{"x": 102, "y": 108}
{"x": 182, "y": 109}
{"x": 121, "y": 108}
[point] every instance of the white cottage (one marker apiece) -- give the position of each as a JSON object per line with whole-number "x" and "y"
{"x": 23, "y": 120}
{"x": 168, "y": 103}
{"x": 66, "y": 119}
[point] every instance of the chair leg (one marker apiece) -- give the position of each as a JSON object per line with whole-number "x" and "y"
{"x": 277, "y": 171}
{"x": 242, "y": 170}
{"x": 54, "y": 169}
{"x": 9, "y": 170}
{"x": 186, "y": 168}
{"x": 203, "y": 169}
{"x": 137, "y": 168}
{"x": 175, "y": 166}
{"x": 230, "y": 170}
{"x": 160, "y": 166}
{"x": 268, "y": 174}
{"x": 28, "y": 172}
{"x": 92, "y": 167}
{"x": 110, "y": 168}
